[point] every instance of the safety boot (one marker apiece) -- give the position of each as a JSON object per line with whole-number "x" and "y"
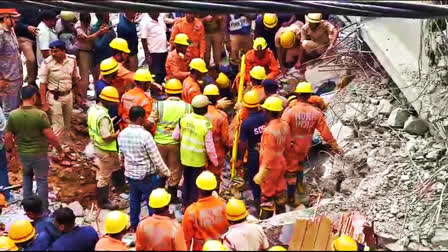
{"x": 266, "y": 213}
{"x": 119, "y": 181}
{"x": 102, "y": 198}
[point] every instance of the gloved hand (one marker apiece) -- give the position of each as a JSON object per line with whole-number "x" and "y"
{"x": 224, "y": 103}
{"x": 261, "y": 175}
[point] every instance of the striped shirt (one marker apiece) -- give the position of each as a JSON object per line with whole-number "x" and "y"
{"x": 140, "y": 154}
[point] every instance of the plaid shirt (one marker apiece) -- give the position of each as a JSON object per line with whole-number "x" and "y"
{"x": 140, "y": 153}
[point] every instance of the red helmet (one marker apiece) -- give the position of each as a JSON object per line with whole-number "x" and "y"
{"x": 9, "y": 12}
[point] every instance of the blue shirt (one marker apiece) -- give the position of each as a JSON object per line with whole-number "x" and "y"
{"x": 237, "y": 25}
{"x": 46, "y": 225}
{"x": 252, "y": 129}
{"x": 102, "y": 48}
{"x": 269, "y": 34}
{"x": 79, "y": 239}
{"x": 42, "y": 242}
{"x": 128, "y": 30}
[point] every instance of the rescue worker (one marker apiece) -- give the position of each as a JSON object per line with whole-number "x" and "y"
{"x": 344, "y": 243}
{"x": 317, "y": 37}
{"x": 191, "y": 85}
{"x": 104, "y": 138}
{"x": 260, "y": 55}
{"x": 257, "y": 76}
{"x": 242, "y": 235}
{"x": 116, "y": 225}
{"x": 165, "y": 116}
{"x": 137, "y": 97}
{"x": 276, "y": 137}
{"x": 288, "y": 45}
{"x": 59, "y": 75}
{"x": 206, "y": 218}
{"x": 125, "y": 78}
{"x": 160, "y": 232}
{"x": 267, "y": 25}
{"x": 315, "y": 100}
{"x": 176, "y": 65}
{"x": 303, "y": 119}
{"x": 270, "y": 88}
{"x": 195, "y": 31}
{"x": 24, "y": 235}
{"x": 196, "y": 144}
{"x": 6, "y": 244}
{"x": 250, "y": 136}
{"x": 223, "y": 83}
{"x": 220, "y": 128}
{"x": 213, "y": 245}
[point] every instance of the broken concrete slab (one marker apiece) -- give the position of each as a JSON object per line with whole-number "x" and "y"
{"x": 440, "y": 238}
{"x": 415, "y": 126}
{"x": 341, "y": 132}
{"x": 385, "y": 107}
{"x": 397, "y": 118}
{"x": 77, "y": 208}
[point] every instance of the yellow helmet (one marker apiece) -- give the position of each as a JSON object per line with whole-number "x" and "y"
{"x": 251, "y": 99}
{"x": 211, "y": 89}
{"x": 313, "y": 18}
{"x": 273, "y": 103}
{"x": 304, "y": 87}
{"x": 200, "y": 101}
{"x": 109, "y": 66}
{"x": 6, "y": 244}
{"x": 198, "y": 64}
{"x": 159, "y": 198}
{"x": 21, "y": 231}
{"x": 110, "y": 93}
{"x": 260, "y": 44}
{"x": 222, "y": 81}
{"x": 277, "y": 248}
{"x": 120, "y": 45}
{"x": 213, "y": 245}
{"x": 287, "y": 39}
{"x": 258, "y": 72}
{"x": 68, "y": 16}
{"x": 173, "y": 86}
{"x": 236, "y": 210}
{"x": 206, "y": 181}
{"x": 182, "y": 39}
{"x": 115, "y": 222}
{"x": 270, "y": 20}
{"x": 344, "y": 243}
{"x": 143, "y": 75}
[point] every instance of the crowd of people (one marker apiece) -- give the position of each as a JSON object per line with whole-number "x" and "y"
{"x": 171, "y": 124}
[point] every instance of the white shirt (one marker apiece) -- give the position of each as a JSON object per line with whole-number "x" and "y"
{"x": 154, "y": 33}
{"x": 43, "y": 40}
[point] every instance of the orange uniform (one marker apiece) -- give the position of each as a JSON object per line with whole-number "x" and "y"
{"x": 176, "y": 67}
{"x": 204, "y": 220}
{"x": 269, "y": 63}
{"x": 134, "y": 97}
{"x": 124, "y": 79}
{"x": 107, "y": 243}
{"x": 274, "y": 141}
{"x": 304, "y": 119}
{"x": 190, "y": 88}
{"x": 196, "y": 34}
{"x": 220, "y": 123}
{"x": 159, "y": 233}
{"x": 315, "y": 100}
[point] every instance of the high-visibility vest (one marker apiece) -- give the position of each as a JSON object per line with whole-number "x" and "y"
{"x": 170, "y": 111}
{"x": 94, "y": 116}
{"x": 193, "y": 128}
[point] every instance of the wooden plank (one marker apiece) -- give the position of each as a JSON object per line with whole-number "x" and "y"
{"x": 310, "y": 235}
{"x": 323, "y": 235}
{"x": 330, "y": 242}
{"x": 298, "y": 235}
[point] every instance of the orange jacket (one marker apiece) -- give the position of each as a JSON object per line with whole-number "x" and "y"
{"x": 159, "y": 233}
{"x": 133, "y": 97}
{"x": 124, "y": 79}
{"x": 176, "y": 67}
{"x": 196, "y": 34}
{"x": 204, "y": 220}
{"x": 314, "y": 100}
{"x": 220, "y": 123}
{"x": 107, "y": 243}
{"x": 304, "y": 119}
{"x": 190, "y": 88}
{"x": 274, "y": 141}
{"x": 269, "y": 63}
